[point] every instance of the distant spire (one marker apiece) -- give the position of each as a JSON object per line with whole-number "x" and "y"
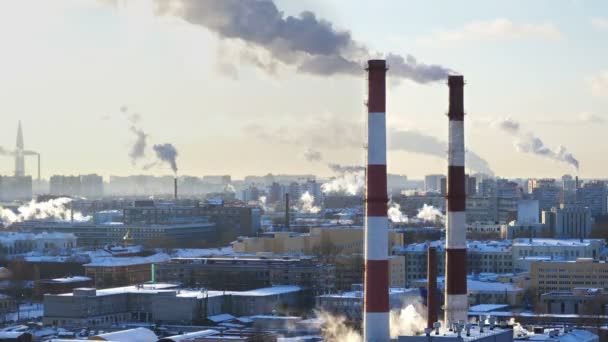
{"x": 19, "y": 137}
{"x": 19, "y": 158}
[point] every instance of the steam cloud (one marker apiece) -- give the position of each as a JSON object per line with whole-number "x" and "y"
{"x": 56, "y": 209}
{"x": 138, "y": 149}
{"x": 307, "y": 204}
{"x": 528, "y": 142}
{"x": 167, "y": 153}
{"x": 427, "y": 213}
{"x": 417, "y": 142}
{"x": 310, "y": 44}
{"x": 350, "y": 183}
{"x": 312, "y": 155}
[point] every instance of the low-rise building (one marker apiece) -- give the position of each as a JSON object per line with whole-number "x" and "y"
{"x": 525, "y": 250}
{"x": 486, "y": 289}
{"x": 579, "y": 301}
{"x": 240, "y": 273}
{"x": 122, "y": 271}
{"x": 61, "y": 285}
{"x": 12, "y": 243}
{"x": 350, "y": 303}
{"x": 552, "y": 275}
{"x": 163, "y": 303}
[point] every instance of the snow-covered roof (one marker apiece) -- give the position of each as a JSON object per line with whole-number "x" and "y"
{"x": 536, "y": 242}
{"x": 73, "y": 279}
{"x": 486, "y": 285}
{"x": 268, "y": 291}
{"x": 130, "y": 335}
{"x": 359, "y": 294}
{"x": 191, "y": 335}
{"x": 202, "y": 252}
{"x": 221, "y": 318}
{"x": 11, "y": 237}
{"x": 128, "y": 261}
{"x": 478, "y": 246}
{"x": 487, "y": 307}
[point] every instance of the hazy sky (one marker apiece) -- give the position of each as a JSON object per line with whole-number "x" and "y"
{"x": 67, "y": 67}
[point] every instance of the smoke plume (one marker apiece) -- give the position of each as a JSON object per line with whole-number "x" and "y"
{"x": 312, "y": 155}
{"x": 55, "y": 209}
{"x": 417, "y": 142}
{"x": 528, "y": 142}
{"x": 310, "y": 44}
{"x": 138, "y": 149}
{"x": 30, "y": 153}
{"x": 307, "y": 204}
{"x": 348, "y": 183}
{"x": 429, "y": 213}
{"x": 337, "y": 168}
{"x": 395, "y": 214}
{"x": 167, "y": 153}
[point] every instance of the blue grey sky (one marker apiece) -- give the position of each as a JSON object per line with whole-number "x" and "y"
{"x": 68, "y": 66}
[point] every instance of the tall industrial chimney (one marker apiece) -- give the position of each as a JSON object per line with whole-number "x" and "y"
{"x": 456, "y": 304}
{"x": 287, "y": 219}
{"x": 376, "y": 306}
{"x": 431, "y": 286}
{"x": 38, "y": 168}
{"x": 175, "y": 188}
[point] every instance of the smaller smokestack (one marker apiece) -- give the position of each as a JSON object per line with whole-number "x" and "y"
{"x": 175, "y": 188}
{"x": 287, "y": 210}
{"x": 431, "y": 282}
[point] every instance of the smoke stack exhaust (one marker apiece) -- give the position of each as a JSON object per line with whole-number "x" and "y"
{"x": 456, "y": 304}
{"x": 431, "y": 282}
{"x": 175, "y": 188}
{"x": 287, "y": 211}
{"x": 376, "y": 306}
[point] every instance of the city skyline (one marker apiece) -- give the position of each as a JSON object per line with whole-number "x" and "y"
{"x": 76, "y": 64}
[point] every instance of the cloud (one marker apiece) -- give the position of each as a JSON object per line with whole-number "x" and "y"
{"x": 599, "y": 83}
{"x": 499, "y": 29}
{"x": 600, "y": 23}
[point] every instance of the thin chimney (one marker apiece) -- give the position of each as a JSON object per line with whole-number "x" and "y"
{"x": 376, "y": 304}
{"x": 456, "y": 302}
{"x": 287, "y": 219}
{"x": 431, "y": 282}
{"x": 175, "y": 188}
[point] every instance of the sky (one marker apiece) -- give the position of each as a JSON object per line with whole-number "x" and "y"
{"x": 69, "y": 66}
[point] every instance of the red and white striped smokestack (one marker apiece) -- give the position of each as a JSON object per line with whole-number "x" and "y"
{"x": 456, "y": 304}
{"x": 376, "y": 307}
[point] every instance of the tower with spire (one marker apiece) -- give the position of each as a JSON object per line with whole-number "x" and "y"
{"x": 19, "y": 155}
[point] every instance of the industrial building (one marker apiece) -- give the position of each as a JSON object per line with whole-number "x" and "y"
{"x": 241, "y": 273}
{"x": 162, "y": 303}
{"x": 551, "y": 275}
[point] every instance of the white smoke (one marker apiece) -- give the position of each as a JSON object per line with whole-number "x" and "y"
{"x": 418, "y": 142}
{"x": 528, "y": 142}
{"x": 395, "y": 214}
{"x": 430, "y": 214}
{"x": 229, "y": 188}
{"x": 408, "y": 321}
{"x": 350, "y": 183}
{"x": 262, "y": 203}
{"x": 307, "y": 204}
{"x": 55, "y": 209}
{"x": 335, "y": 328}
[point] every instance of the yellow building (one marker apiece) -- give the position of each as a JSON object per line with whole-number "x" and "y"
{"x": 342, "y": 246}
{"x": 548, "y": 276}
{"x": 320, "y": 241}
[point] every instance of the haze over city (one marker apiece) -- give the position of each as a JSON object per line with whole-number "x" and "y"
{"x": 237, "y": 106}
{"x": 303, "y": 171}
